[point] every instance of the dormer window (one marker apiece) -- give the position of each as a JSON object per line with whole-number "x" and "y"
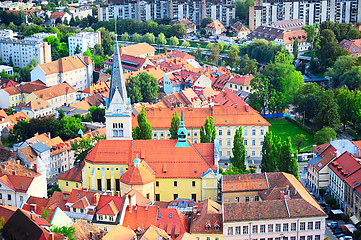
{"x": 208, "y": 226}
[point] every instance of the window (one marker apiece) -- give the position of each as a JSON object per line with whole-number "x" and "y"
{"x": 309, "y": 237}
{"x": 74, "y": 209}
{"x": 157, "y": 184}
{"x": 157, "y": 197}
{"x": 228, "y": 142}
{"x": 245, "y": 142}
{"x": 67, "y": 184}
{"x": 208, "y": 238}
{"x": 1, "y": 196}
{"x": 255, "y": 229}
{"x": 253, "y": 142}
{"x": 76, "y": 185}
{"x": 253, "y": 132}
{"x": 302, "y": 237}
{"x": 285, "y": 227}
{"x": 256, "y": 198}
{"x": 238, "y": 230}
{"x": 228, "y": 153}
{"x": 220, "y": 132}
{"x": 220, "y": 142}
{"x": 148, "y": 195}
{"x": 309, "y": 226}
{"x": 262, "y": 228}
{"x": 245, "y": 132}
{"x": 154, "y": 134}
{"x": 293, "y": 226}
{"x": 194, "y": 197}
{"x": 293, "y": 238}
{"x": 270, "y": 228}
{"x": 253, "y": 153}
{"x": 228, "y": 132}
{"x": 247, "y": 199}
{"x": 230, "y": 231}
{"x": 245, "y": 229}
{"x": 278, "y": 227}
{"x": 302, "y": 226}
{"x": 317, "y": 237}
{"x": 175, "y": 196}
{"x": 21, "y": 198}
{"x": 193, "y": 183}
{"x": 262, "y": 131}
{"x": 195, "y": 134}
{"x": 108, "y": 185}
{"x": 175, "y": 183}
{"x": 99, "y": 182}
{"x": 318, "y": 225}
{"x": 237, "y": 199}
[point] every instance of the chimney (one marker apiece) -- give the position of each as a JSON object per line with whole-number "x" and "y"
{"x": 242, "y": 98}
{"x": 18, "y": 162}
{"x": 33, "y": 207}
{"x": 52, "y": 237}
{"x": 32, "y": 216}
{"x": 96, "y": 199}
{"x": 14, "y": 172}
{"x": 282, "y": 197}
{"x": 49, "y": 136}
{"x": 130, "y": 203}
{"x": 91, "y": 234}
{"x": 35, "y": 167}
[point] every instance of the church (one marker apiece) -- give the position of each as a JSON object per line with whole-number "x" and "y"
{"x": 162, "y": 170}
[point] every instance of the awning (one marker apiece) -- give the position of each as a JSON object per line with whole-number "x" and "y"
{"x": 350, "y": 227}
{"x": 337, "y": 211}
{"x": 354, "y": 220}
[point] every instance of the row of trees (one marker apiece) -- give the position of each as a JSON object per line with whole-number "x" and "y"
{"x": 130, "y": 26}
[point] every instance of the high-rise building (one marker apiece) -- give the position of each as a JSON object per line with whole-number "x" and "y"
{"x": 264, "y": 12}
{"x": 222, "y": 10}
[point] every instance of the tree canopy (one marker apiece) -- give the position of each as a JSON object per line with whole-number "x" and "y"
{"x": 143, "y": 87}
{"x": 144, "y": 129}
{"x": 208, "y": 131}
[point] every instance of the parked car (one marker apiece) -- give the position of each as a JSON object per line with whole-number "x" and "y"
{"x": 340, "y": 235}
{"x": 338, "y": 231}
{"x": 346, "y": 238}
{"x": 331, "y": 223}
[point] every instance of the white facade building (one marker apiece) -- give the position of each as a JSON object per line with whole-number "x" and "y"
{"x": 21, "y": 52}
{"x": 85, "y": 40}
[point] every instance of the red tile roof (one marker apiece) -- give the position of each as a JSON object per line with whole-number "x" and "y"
{"x": 138, "y": 175}
{"x": 215, "y": 25}
{"x": 352, "y": 46}
{"x": 345, "y": 165}
{"x": 162, "y": 156}
{"x": 318, "y": 149}
{"x": 207, "y": 218}
{"x": 228, "y": 98}
{"x": 139, "y": 198}
{"x": 74, "y": 174}
{"x": 57, "y": 14}
{"x": 17, "y": 183}
{"x": 87, "y": 198}
{"x": 109, "y": 205}
{"x": 243, "y": 80}
{"x": 140, "y": 216}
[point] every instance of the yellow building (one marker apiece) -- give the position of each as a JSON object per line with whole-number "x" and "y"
{"x": 227, "y": 119}
{"x": 71, "y": 179}
{"x": 10, "y": 97}
{"x": 240, "y": 82}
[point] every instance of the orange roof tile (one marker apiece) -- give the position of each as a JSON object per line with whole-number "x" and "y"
{"x": 138, "y": 175}
{"x": 17, "y": 183}
{"x": 140, "y": 216}
{"x": 120, "y": 233}
{"x": 290, "y": 36}
{"x": 137, "y": 49}
{"x": 65, "y": 64}
{"x": 55, "y": 91}
{"x": 74, "y": 174}
{"x": 109, "y": 205}
{"x": 83, "y": 105}
{"x": 215, "y": 25}
{"x": 139, "y": 198}
{"x": 207, "y": 212}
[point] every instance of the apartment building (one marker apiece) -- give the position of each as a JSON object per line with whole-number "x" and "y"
{"x": 264, "y": 12}
{"x": 76, "y": 70}
{"x": 85, "y": 40}
{"x": 271, "y": 206}
{"x": 21, "y": 52}
{"x": 222, "y": 10}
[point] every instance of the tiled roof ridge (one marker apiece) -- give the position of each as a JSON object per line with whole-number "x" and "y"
{"x": 200, "y": 155}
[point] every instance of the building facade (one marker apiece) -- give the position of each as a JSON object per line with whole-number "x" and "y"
{"x": 85, "y": 40}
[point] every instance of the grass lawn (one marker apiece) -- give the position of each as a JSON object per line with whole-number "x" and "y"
{"x": 283, "y": 128}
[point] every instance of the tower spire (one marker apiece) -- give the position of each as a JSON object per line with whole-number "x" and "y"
{"x": 182, "y": 134}
{"x": 117, "y": 79}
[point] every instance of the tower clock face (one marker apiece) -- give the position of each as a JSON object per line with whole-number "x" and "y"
{"x": 117, "y": 110}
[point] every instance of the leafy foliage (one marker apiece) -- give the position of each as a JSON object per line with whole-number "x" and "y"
{"x": 144, "y": 129}
{"x": 143, "y": 87}
{"x": 174, "y": 126}
{"x": 239, "y": 151}
{"x": 83, "y": 146}
{"x": 97, "y": 114}
{"x": 325, "y": 135}
{"x": 208, "y": 131}
{"x": 66, "y": 231}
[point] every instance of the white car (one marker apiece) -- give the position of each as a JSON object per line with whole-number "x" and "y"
{"x": 346, "y": 238}
{"x": 331, "y": 223}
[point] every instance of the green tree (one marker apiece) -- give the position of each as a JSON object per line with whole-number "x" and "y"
{"x": 178, "y": 30}
{"x": 77, "y": 49}
{"x": 345, "y": 100}
{"x": 174, "y": 126}
{"x": 10, "y": 111}
{"x": 352, "y": 78}
{"x": 328, "y": 112}
{"x": 239, "y": 152}
{"x": 339, "y": 68}
{"x": 149, "y": 38}
{"x": 136, "y": 37}
{"x": 144, "y": 129}
{"x": 295, "y": 49}
{"x": 287, "y": 161}
{"x": 97, "y": 114}
{"x": 247, "y": 66}
{"x": 161, "y": 39}
{"x": 233, "y": 59}
{"x": 208, "y": 131}
{"x": 325, "y": 135}
{"x": 107, "y": 41}
{"x": 173, "y": 41}
{"x": 72, "y": 22}
{"x": 2, "y": 221}
{"x": 67, "y": 128}
{"x": 307, "y": 100}
{"x": 214, "y": 57}
{"x": 143, "y": 87}
{"x": 311, "y": 31}
{"x": 83, "y": 146}
{"x": 45, "y": 213}
{"x": 242, "y": 9}
{"x": 206, "y": 21}
{"x": 124, "y": 37}
{"x": 186, "y": 44}
{"x": 3, "y": 74}
{"x": 299, "y": 141}
{"x": 270, "y": 153}
{"x": 66, "y": 231}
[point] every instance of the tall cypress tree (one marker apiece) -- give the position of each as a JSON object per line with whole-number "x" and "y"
{"x": 144, "y": 129}
{"x": 208, "y": 131}
{"x": 174, "y": 126}
{"x": 269, "y": 163}
{"x": 288, "y": 159}
{"x": 239, "y": 152}
{"x": 295, "y": 49}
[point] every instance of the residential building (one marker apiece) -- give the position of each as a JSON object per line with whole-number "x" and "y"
{"x": 87, "y": 231}
{"x": 353, "y": 196}
{"x": 5, "y": 83}
{"x": 7, "y": 122}
{"x": 36, "y": 108}
{"x": 352, "y": 46}
{"x": 10, "y": 5}
{"x": 215, "y": 28}
{"x": 240, "y": 82}
{"x": 240, "y": 30}
{"x": 18, "y": 182}
{"x": 206, "y": 221}
{"x": 254, "y": 125}
{"x": 130, "y": 63}
{"x": 141, "y": 50}
{"x": 309, "y": 12}
{"x": 84, "y": 40}
{"x": 72, "y": 178}
{"x": 190, "y": 26}
{"x": 22, "y": 225}
{"x": 344, "y": 166}
{"x": 76, "y": 70}
{"x": 10, "y": 97}
{"x": 288, "y": 25}
{"x": 7, "y": 69}
{"x": 271, "y": 206}
{"x": 56, "y": 96}
{"x": 81, "y": 12}
{"x": 6, "y": 33}
{"x": 40, "y": 36}
{"x": 21, "y": 52}
{"x": 59, "y": 16}
{"x": 195, "y": 11}
{"x": 43, "y": 153}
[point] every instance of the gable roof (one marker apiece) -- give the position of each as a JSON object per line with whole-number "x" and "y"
{"x": 109, "y": 205}
{"x": 215, "y": 26}
{"x": 55, "y": 91}
{"x": 66, "y": 64}
{"x": 239, "y": 27}
{"x": 57, "y": 14}
{"x": 35, "y": 105}
{"x": 84, "y": 229}
{"x": 139, "y": 198}
{"x": 120, "y": 233}
{"x": 17, "y": 183}
{"x": 162, "y": 156}
{"x": 345, "y": 165}
{"x": 290, "y": 36}
{"x": 74, "y": 174}
{"x": 207, "y": 212}
{"x": 268, "y": 33}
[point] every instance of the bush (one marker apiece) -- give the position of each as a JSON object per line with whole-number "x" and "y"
{"x": 330, "y": 200}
